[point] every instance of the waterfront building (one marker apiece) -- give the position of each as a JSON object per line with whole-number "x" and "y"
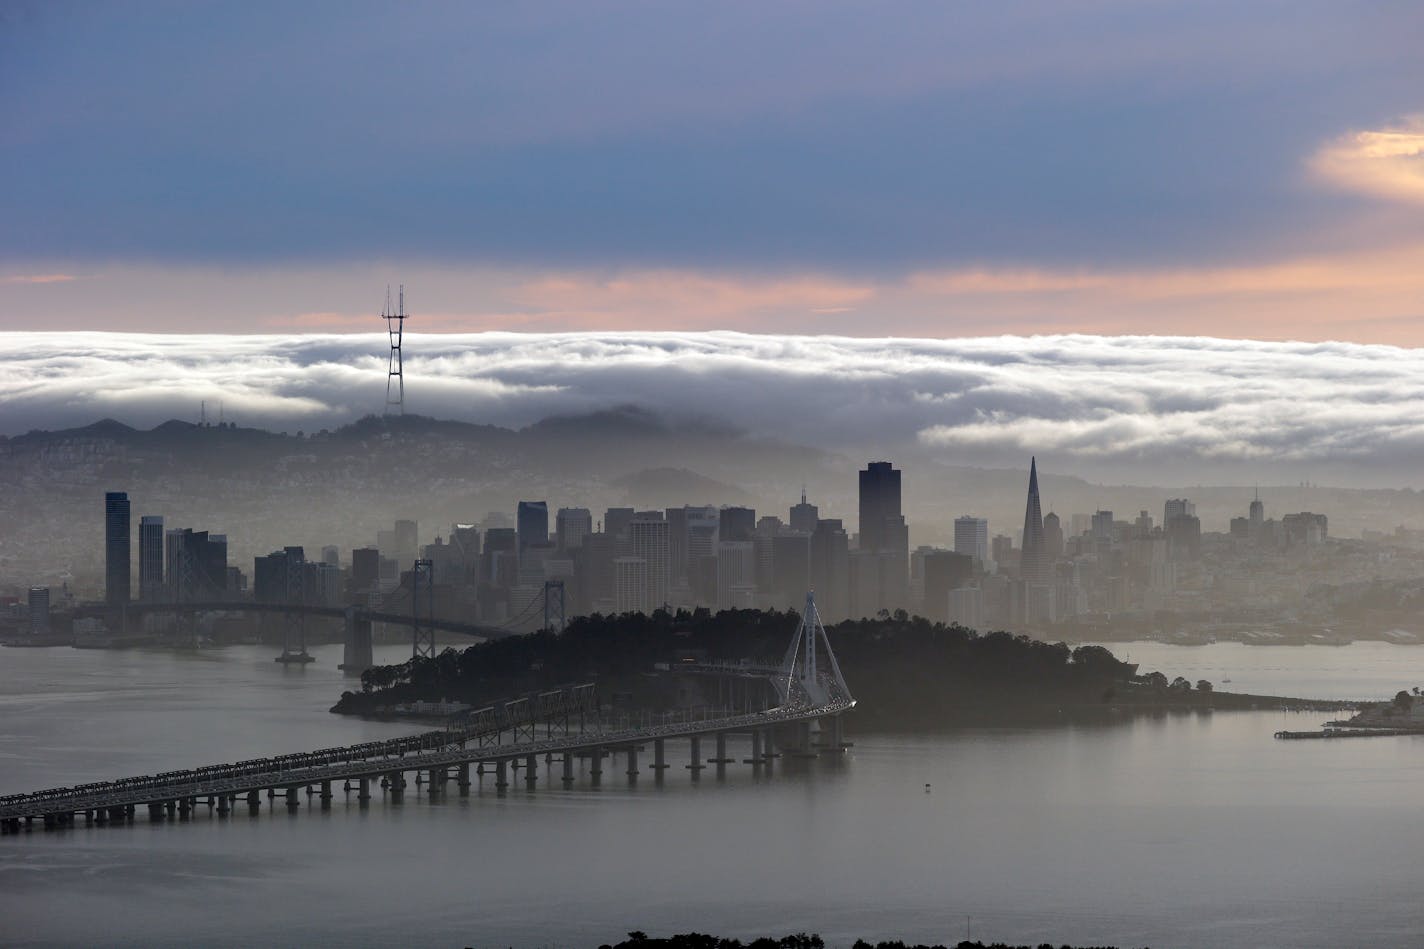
{"x": 117, "y": 549}
{"x": 39, "y": 611}
{"x": 150, "y": 558}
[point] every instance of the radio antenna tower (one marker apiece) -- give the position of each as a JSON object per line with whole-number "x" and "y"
{"x": 395, "y": 322}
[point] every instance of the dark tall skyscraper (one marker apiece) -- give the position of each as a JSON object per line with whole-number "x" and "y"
{"x": 881, "y": 566}
{"x": 150, "y": 558}
{"x": 532, "y": 523}
{"x": 117, "y": 551}
{"x": 879, "y": 506}
{"x": 1033, "y": 562}
{"x": 736, "y": 524}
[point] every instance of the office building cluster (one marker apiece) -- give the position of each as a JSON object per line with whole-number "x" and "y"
{"x": 1081, "y": 574}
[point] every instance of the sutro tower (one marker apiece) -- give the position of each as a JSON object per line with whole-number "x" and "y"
{"x": 395, "y": 322}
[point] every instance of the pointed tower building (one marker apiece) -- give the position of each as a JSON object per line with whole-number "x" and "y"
{"x": 1033, "y": 565}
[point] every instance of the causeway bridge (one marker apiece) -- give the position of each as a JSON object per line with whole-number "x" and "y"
{"x": 506, "y": 740}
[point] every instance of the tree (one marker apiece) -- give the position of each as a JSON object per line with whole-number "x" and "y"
{"x": 1155, "y": 680}
{"x": 1180, "y": 684}
{"x": 1203, "y": 685}
{"x": 1403, "y": 701}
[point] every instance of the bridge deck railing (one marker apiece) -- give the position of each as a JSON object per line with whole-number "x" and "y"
{"x": 429, "y": 749}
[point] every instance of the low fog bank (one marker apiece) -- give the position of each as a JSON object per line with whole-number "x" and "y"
{"x": 1144, "y": 410}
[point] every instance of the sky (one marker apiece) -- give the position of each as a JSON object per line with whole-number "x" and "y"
{"x": 925, "y": 169}
{"x": 1167, "y": 186}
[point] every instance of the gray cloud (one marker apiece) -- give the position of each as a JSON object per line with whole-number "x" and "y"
{"x": 1119, "y": 408}
{"x": 735, "y": 134}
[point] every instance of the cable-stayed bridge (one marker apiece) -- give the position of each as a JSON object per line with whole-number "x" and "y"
{"x": 561, "y": 726}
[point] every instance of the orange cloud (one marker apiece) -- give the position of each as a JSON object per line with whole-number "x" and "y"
{"x": 1373, "y": 296}
{"x": 1384, "y": 163}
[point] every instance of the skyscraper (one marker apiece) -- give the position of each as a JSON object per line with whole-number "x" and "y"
{"x": 884, "y": 553}
{"x": 804, "y": 516}
{"x": 532, "y": 523}
{"x": 571, "y": 525}
{"x": 407, "y": 543}
{"x": 648, "y": 539}
{"x": 150, "y": 558}
{"x": 1052, "y": 537}
{"x": 1033, "y": 561}
{"x": 117, "y": 550}
{"x": 971, "y": 538}
{"x": 879, "y": 504}
{"x": 736, "y": 523}
{"x": 830, "y": 569}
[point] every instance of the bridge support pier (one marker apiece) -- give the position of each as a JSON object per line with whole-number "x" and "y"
{"x": 755, "y": 760}
{"x": 292, "y": 802}
{"x": 695, "y": 752}
{"x": 632, "y": 763}
{"x": 254, "y": 802}
{"x": 721, "y": 761}
{"x": 395, "y": 783}
{"x": 568, "y": 768}
{"x": 595, "y": 766}
{"x": 804, "y": 746}
{"x": 531, "y": 770}
{"x": 462, "y": 778}
{"x": 363, "y": 791}
{"x": 222, "y": 805}
{"x": 501, "y": 775}
{"x": 171, "y": 807}
{"x": 326, "y": 795}
{"x": 185, "y": 808}
{"x": 659, "y": 756}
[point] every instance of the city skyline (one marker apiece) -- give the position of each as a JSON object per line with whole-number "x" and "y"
{"x": 1043, "y": 579}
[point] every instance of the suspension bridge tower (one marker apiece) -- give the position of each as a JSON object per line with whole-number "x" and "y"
{"x": 395, "y": 379}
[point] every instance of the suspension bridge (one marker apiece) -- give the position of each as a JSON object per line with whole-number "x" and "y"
{"x": 359, "y": 621}
{"x": 807, "y": 696}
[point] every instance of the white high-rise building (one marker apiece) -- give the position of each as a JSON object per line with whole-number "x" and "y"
{"x": 648, "y": 541}
{"x": 736, "y": 575}
{"x": 630, "y": 585}
{"x": 971, "y": 537}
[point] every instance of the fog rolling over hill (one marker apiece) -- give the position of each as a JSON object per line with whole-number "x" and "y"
{"x": 1125, "y": 409}
{"x": 265, "y": 490}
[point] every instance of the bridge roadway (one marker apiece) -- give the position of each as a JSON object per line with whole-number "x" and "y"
{"x": 335, "y": 612}
{"x": 437, "y": 751}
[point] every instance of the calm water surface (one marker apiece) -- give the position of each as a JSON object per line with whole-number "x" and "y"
{"x": 1181, "y": 830}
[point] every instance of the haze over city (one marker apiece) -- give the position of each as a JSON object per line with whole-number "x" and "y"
{"x": 821, "y": 473}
